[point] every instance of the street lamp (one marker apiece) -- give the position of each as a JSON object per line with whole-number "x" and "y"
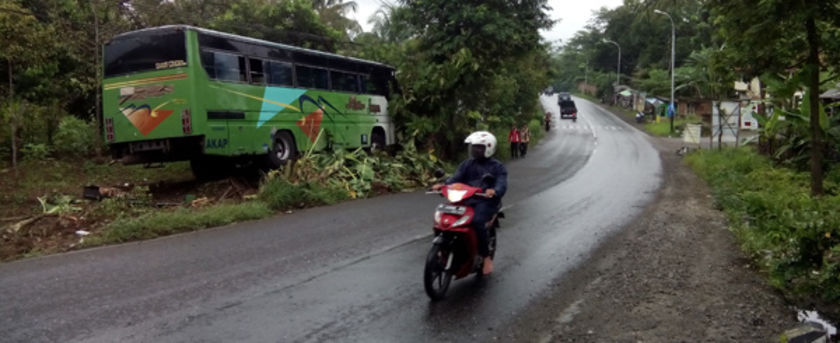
{"x": 673, "y": 49}
{"x": 618, "y": 68}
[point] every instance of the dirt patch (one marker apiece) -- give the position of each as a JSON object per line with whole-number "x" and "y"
{"x": 27, "y": 230}
{"x": 674, "y": 274}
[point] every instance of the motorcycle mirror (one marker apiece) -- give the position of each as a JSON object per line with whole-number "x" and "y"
{"x": 439, "y": 173}
{"x": 488, "y": 179}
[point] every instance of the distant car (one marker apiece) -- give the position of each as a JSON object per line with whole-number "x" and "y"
{"x": 564, "y": 96}
{"x": 568, "y": 110}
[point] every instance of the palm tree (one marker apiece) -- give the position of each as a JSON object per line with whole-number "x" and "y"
{"x": 334, "y": 13}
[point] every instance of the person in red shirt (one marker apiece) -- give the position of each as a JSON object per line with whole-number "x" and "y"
{"x": 514, "y": 140}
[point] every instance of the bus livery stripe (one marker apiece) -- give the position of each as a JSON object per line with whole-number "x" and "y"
{"x": 141, "y": 82}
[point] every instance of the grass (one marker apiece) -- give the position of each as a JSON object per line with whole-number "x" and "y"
{"x": 794, "y": 237}
{"x": 164, "y": 223}
{"x": 279, "y": 194}
{"x": 663, "y": 127}
{"x": 587, "y": 97}
{"x": 18, "y": 191}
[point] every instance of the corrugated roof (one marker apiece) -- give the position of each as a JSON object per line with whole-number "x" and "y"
{"x": 831, "y": 94}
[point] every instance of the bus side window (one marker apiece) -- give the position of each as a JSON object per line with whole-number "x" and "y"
{"x": 256, "y": 68}
{"x": 308, "y": 77}
{"x": 222, "y": 66}
{"x": 345, "y": 82}
{"x": 371, "y": 86}
{"x": 279, "y": 73}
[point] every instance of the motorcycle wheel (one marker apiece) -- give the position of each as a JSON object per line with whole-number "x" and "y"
{"x": 435, "y": 278}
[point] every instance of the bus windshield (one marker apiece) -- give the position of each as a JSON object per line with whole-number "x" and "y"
{"x": 145, "y": 51}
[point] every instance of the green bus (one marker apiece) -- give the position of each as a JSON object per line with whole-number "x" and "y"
{"x": 182, "y": 93}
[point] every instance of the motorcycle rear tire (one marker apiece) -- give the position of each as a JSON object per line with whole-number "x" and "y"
{"x": 435, "y": 279}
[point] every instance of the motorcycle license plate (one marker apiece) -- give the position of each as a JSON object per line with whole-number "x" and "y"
{"x": 451, "y": 209}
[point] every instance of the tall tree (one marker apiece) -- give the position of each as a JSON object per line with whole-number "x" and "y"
{"x": 463, "y": 54}
{"x": 23, "y": 42}
{"x": 780, "y": 35}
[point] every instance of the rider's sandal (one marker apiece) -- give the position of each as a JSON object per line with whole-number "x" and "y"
{"x": 488, "y": 266}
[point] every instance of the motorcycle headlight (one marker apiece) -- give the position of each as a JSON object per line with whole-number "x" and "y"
{"x": 461, "y": 221}
{"x": 455, "y": 195}
{"x": 438, "y": 215}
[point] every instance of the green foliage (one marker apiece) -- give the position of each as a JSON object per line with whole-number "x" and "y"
{"x": 58, "y": 204}
{"x": 324, "y": 178}
{"x": 180, "y": 220}
{"x": 280, "y": 194}
{"x": 75, "y": 137}
{"x": 291, "y": 21}
{"x": 35, "y": 151}
{"x": 481, "y": 68}
{"x": 663, "y": 127}
{"x": 793, "y": 236}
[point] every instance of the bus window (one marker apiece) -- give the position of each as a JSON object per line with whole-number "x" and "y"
{"x": 279, "y": 73}
{"x": 308, "y": 77}
{"x": 257, "y": 75}
{"x": 374, "y": 86}
{"x": 144, "y": 51}
{"x": 222, "y": 66}
{"x": 345, "y": 82}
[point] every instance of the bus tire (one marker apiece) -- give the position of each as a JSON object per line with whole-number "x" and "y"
{"x": 377, "y": 140}
{"x": 283, "y": 150}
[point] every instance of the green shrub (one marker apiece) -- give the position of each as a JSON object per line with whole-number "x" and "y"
{"x": 181, "y": 220}
{"x": 280, "y": 194}
{"x": 795, "y": 237}
{"x": 74, "y": 137}
{"x": 35, "y": 152}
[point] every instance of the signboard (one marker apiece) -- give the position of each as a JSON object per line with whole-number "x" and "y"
{"x": 726, "y": 119}
{"x": 749, "y": 110}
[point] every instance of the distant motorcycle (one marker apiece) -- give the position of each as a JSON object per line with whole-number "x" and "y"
{"x": 640, "y": 117}
{"x": 454, "y": 250}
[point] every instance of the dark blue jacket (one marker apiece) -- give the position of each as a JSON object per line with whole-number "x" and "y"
{"x": 472, "y": 171}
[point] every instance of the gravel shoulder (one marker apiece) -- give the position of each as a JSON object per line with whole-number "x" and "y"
{"x": 675, "y": 274}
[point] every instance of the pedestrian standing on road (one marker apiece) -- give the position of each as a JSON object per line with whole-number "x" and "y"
{"x": 525, "y": 138}
{"x": 514, "y": 140}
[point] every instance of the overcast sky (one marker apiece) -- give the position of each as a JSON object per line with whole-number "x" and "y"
{"x": 573, "y": 15}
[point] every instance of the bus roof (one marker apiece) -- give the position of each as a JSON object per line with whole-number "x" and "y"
{"x": 255, "y": 41}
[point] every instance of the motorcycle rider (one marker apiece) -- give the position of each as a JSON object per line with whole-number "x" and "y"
{"x": 472, "y": 172}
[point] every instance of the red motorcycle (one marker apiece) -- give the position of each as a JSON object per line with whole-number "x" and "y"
{"x": 454, "y": 250}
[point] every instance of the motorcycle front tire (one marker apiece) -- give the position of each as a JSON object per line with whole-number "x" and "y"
{"x": 435, "y": 278}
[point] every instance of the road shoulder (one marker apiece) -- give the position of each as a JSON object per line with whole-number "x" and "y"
{"x": 675, "y": 273}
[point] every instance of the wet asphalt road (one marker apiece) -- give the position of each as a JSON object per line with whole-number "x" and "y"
{"x": 351, "y": 272}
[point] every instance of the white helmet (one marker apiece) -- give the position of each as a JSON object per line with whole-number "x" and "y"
{"x": 483, "y": 138}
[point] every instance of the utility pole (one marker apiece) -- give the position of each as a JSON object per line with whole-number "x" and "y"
{"x": 673, "y": 50}
{"x": 618, "y": 67}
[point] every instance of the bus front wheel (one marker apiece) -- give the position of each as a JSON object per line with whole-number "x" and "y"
{"x": 377, "y": 141}
{"x": 283, "y": 150}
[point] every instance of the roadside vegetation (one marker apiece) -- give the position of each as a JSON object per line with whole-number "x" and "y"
{"x": 663, "y": 127}
{"x": 766, "y": 190}
{"x": 792, "y": 236}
